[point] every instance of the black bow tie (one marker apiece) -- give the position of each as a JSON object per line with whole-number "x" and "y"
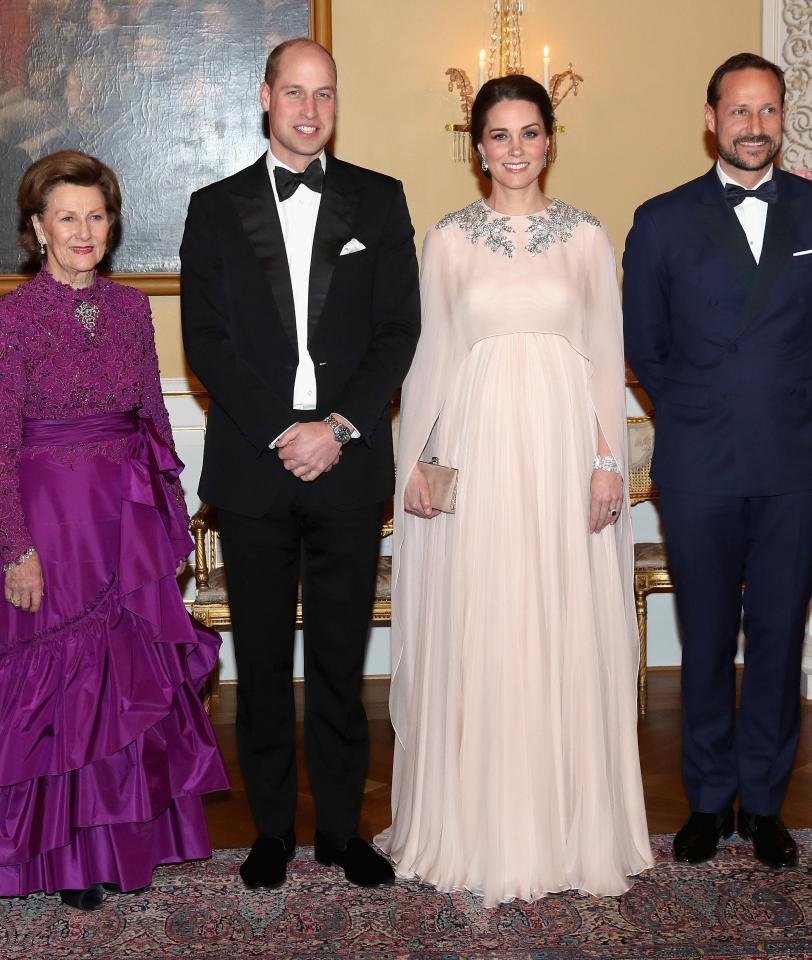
{"x": 734, "y": 194}
{"x": 287, "y": 182}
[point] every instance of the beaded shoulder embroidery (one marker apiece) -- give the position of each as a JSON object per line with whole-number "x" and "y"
{"x": 555, "y": 225}
{"x": 479, "y": 222}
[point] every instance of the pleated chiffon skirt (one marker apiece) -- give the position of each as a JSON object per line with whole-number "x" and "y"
{"x": 107, "y": 749}
{"x": 517, "y": 774}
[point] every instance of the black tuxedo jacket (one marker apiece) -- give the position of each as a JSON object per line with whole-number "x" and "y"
{"x": 239, "y": 330}
{"x": 722, "y": 345}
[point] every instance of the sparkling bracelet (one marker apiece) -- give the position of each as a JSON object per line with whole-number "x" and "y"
{"x": 20, "y": 560}
{"x": 606, "y": 463}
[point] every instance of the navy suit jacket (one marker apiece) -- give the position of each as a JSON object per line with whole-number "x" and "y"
{"x": 722, "y": 345}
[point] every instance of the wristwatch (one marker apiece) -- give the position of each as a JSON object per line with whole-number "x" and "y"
{"x": 340, "y": 432}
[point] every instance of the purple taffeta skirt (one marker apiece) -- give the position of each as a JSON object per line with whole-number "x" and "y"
{"x": 106, "y": 749}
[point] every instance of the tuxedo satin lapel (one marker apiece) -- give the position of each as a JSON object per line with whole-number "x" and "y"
{"x": 339, "y": 202}
{"x": 724, "y": 228}
{"x": 776, "y": 253}
{"x": 254, "y": 202}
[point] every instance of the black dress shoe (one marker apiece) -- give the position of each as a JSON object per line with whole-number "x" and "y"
{"x": 362, "y": 865}
{"x": 267, "y": 863}
{"x": 699, "y": 838}
{"x": 772, "y": 843}
{"x": 91, "y": 898}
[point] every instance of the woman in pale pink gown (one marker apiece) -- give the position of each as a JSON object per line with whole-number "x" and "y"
{"x": 515, "y": 648}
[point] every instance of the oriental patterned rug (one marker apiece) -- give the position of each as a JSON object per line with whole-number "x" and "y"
{"x": 730, "y": 908}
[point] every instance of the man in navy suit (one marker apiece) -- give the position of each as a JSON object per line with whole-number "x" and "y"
{"x": 301, "y": 313}
{"x": 718, "y": 321}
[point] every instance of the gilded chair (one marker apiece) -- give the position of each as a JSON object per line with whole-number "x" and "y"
{"x": 210, "y": 605}
{"x": 651, "y": 571}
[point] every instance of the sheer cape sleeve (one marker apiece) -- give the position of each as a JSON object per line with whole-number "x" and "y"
{"x": 440, "y": 351}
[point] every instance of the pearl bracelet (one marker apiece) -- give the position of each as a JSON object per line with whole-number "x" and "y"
{"x": 20, "y": 560}
{"x": 606, "y": 463}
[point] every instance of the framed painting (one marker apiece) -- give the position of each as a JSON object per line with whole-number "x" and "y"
{"x": 163, "y": 91}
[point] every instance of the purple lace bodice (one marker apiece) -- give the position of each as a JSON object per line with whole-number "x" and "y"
{"x": 56, "y": 363}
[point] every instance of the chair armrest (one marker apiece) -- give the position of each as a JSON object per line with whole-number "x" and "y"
{"x": 199, "y": 525}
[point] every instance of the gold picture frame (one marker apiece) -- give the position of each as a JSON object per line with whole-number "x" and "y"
{"x": 168, "y": 284}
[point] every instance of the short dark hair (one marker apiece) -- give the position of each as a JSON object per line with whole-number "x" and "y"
{"x": 65, "y": 166}
{"x": 742, "y": 61}
{"x": 272, "y": 63}
{"x": 513, "y": 87}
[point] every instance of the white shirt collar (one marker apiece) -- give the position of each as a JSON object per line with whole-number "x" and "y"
{"x": 728, "y": 179}
{"x": 275, "y": 162}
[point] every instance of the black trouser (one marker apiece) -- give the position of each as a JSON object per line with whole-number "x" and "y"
{"x": 337, "y": 552}
{"x": 716, "y": 545}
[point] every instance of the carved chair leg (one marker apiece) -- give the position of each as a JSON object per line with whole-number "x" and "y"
{"x": 640, "y": 596}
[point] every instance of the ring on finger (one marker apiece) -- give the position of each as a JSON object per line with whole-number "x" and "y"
{"x": 613, "y": 512}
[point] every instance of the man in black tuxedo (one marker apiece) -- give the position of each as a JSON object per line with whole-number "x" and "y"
{"x": 718, "y": 315}
{"x": 300, "y": 317}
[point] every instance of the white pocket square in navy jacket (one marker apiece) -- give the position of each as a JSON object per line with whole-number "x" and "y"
{"x": 352, "y": 246}
{"x": 802, "y": 253}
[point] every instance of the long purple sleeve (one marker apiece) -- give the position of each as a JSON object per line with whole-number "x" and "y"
{"x": 52, "y": 366}
{"x": 14, "y": 536}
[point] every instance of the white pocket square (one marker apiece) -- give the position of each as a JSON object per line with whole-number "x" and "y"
{"x": 802, "y": 253}
{"x": 352, "y": 246}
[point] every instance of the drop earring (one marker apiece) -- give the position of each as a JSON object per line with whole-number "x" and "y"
{"x": 42, "y": 248}
{"x": 483, "y": 162}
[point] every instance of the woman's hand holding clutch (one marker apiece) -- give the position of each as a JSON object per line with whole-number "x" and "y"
{"x": 416, "y": 496}
{"x": 24, "y": 587}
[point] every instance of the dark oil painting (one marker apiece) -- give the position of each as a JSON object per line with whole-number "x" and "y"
{"x": 163, "y": 91}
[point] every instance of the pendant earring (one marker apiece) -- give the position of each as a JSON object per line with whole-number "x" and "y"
{"x": 483, "y": 162}
{"x": 544, "y": 164}
{"x": 42, "y": 248}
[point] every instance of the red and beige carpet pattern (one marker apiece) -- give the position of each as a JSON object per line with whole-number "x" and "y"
{"x": 730, "y": 908}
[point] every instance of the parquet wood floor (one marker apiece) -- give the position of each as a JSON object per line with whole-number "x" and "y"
{"x": 231, "y": 825}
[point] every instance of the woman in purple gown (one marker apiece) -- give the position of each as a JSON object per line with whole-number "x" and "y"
{"x": 106, "y": 749}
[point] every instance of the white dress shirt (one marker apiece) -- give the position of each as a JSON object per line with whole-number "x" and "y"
{"x": 297, "y": 217}
{"x": 752, "y": 212}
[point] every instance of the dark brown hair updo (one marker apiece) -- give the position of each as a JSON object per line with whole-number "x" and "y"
{"x": 65, "y": 166}
{"x": 513, "y": 87}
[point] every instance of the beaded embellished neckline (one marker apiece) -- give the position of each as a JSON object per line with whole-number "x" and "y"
{"x": 554, "y": 224}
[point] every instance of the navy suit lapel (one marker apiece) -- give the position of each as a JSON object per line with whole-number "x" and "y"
{"x": 776, "y": 252}
{"x": 723, "y": 226}
{"x": 254, "y": 201}
{"x": 337, "y": 209}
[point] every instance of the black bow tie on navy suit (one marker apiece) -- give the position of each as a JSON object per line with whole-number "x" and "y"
{"x": 734, "y": 194}
{"x": 288, "y": 182}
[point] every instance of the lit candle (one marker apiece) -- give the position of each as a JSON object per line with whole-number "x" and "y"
{"x": 547, "y": 68}
{"x": 481, "y": 67}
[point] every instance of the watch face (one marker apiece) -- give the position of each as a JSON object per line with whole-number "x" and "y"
{"x": 342, "y": 434}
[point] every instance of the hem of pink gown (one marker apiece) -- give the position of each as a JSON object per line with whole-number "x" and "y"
{"x": 535, "y": 892}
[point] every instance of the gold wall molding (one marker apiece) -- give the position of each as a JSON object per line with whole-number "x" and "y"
{"x": 796, "y": 54}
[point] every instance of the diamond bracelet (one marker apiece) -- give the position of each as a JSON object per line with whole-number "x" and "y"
{"x": 20, "y": 560}
{"x": 606, "y": 463}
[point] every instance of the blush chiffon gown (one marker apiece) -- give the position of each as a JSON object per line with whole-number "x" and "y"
{"x": 515, "y": 646}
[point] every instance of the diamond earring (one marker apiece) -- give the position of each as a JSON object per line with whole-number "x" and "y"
{"x": 42, "y": 248}
{"x": 483, "y": 162}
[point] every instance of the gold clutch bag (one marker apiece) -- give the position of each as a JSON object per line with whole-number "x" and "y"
{"x": 442, "y": 483}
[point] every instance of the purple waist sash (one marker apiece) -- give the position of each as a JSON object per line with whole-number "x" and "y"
{"x": 66, "y": 433}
